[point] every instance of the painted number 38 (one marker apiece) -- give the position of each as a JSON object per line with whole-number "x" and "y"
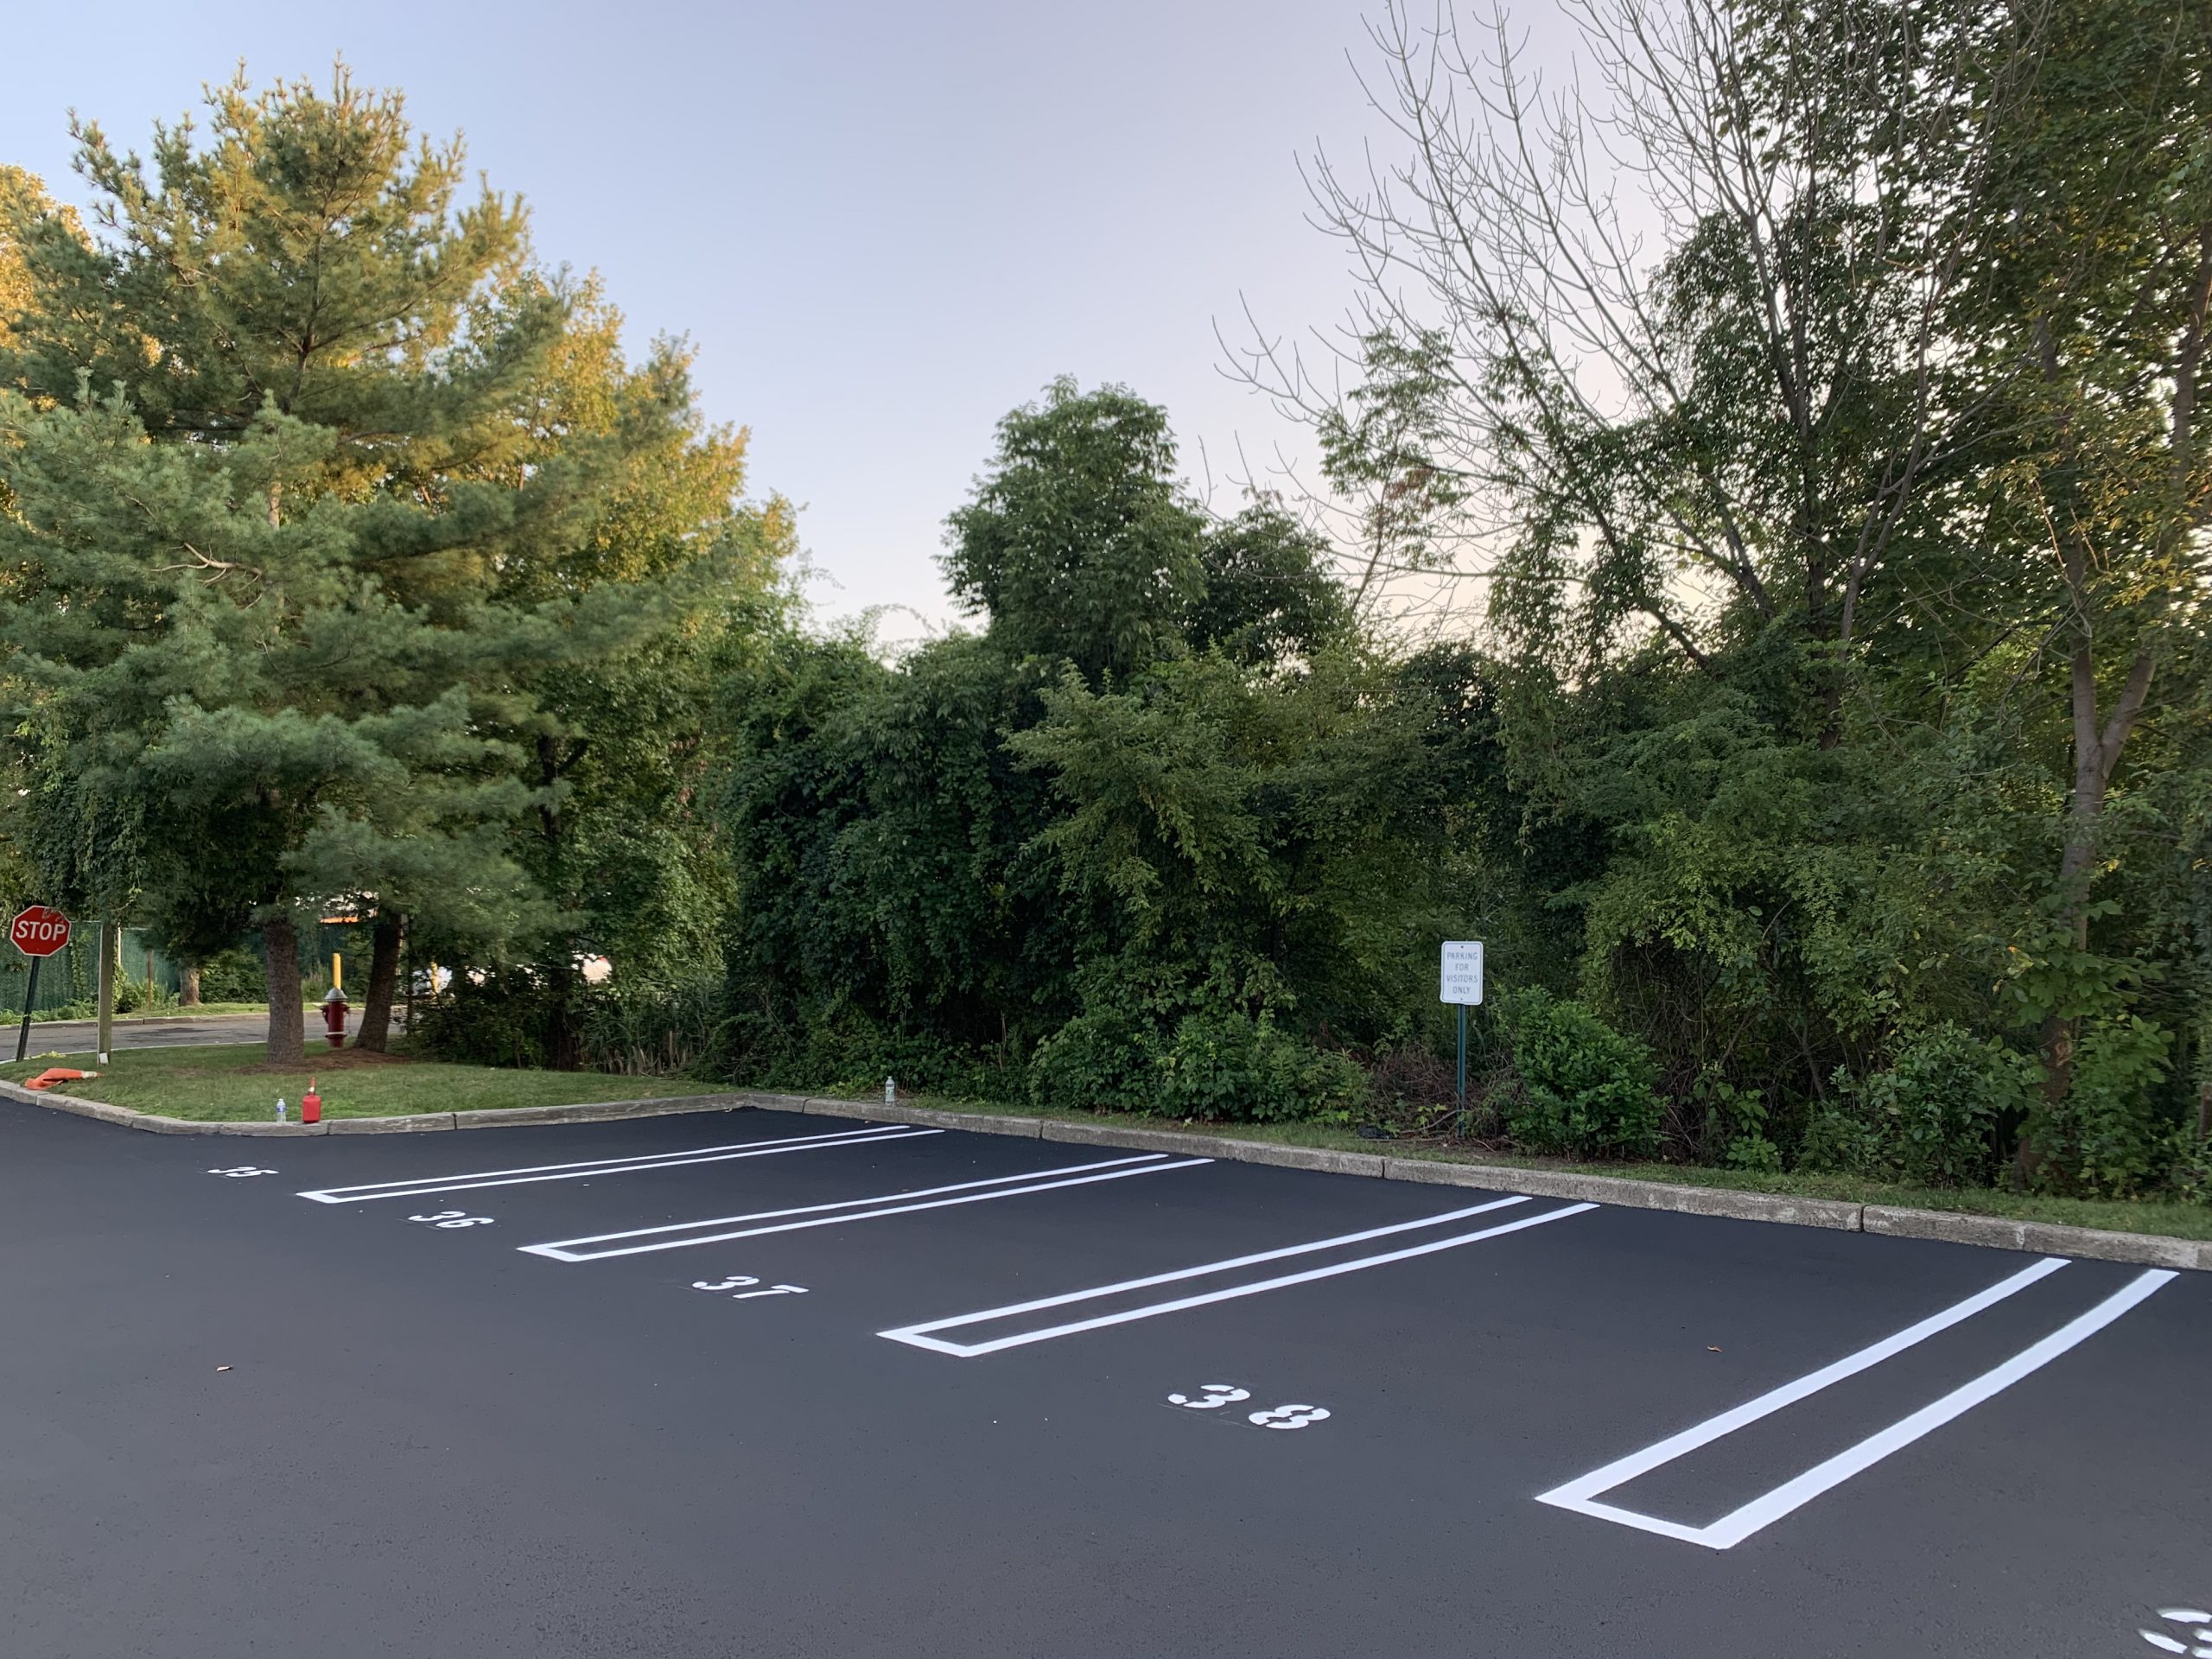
{"x": 2196, "y": 1642}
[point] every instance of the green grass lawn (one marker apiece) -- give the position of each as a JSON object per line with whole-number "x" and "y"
{"x": 233, "y": 1083}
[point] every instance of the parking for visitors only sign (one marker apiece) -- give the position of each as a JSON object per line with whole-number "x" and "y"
{"x": 1462, "y": 978}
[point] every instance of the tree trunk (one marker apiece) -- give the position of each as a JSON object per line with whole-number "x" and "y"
{"x": 2096, "y": 751}
{"x": 187, "y": 995}
{"x": 563, "y": 1041}
{"x": 280, "y": 951}
{"x": 384, "y": 979}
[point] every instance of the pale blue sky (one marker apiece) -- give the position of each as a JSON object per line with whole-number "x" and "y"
{"x": 884, "y": 224}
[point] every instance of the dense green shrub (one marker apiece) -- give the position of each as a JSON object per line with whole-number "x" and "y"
{"x": 1227, "y": 1065}
{"x": 848, "y": 1051}
{"x": 1579, "y": 1087}
{"x": 1218, "y": 1064}
{"x": 1101, "y": 1060}
{"x": 2190, "y": 1178}
{"x": 1933, "y": 1119}
{"x": 519, "y": 1016}
{"x": 142, "y": 996}
{"x": 232, "y": 975}
{"x": 1214, "y": 1050}
{"x": 2107, "y": 1139}
{"x": 647, "y": 1027}
{"x": 493, "y": 1019}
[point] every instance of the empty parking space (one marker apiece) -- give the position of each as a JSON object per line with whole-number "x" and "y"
{"x": 968, "y": 1336}
{"x": 584, "y": 1169}
{"x": 875, "y": 1206}
{"x": 1588, "y": 1494}
{"x": 997, "y": 1361}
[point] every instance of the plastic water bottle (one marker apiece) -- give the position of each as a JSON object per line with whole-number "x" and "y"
{"x": 890, "y": 1091}
{"x": 280, "y": 1108}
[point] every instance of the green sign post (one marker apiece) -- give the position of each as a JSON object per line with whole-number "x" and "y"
{"x": 1460, "y": 984}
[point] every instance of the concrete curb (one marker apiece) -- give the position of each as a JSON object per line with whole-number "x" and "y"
{"x": 1839, "y": 1215}
{"x": 2043, "y": 1238}
{"x": 598, "y": 1111}
{"x": 1639, "y": 1195}
{"x": 2047, "y": 1238}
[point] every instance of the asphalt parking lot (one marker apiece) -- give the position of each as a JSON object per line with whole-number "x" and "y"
{"x": 754, "y": 1384}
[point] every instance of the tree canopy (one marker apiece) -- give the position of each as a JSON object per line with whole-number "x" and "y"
{"x": 317, "y": 485}
{"x": 1757, "y": 581}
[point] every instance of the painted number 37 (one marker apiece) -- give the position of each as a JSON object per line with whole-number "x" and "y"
{"x": 735, "y": 1282}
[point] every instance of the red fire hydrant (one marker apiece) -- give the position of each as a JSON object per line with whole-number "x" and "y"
{"x": 334, "y": 1007}
{"x": 310, "y": 1105}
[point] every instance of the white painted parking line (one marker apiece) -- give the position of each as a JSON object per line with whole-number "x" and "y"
{"x": 423, "y": 1186}
{"x": 831, "y": 1215}
{"x": 1768, "y": 1508}
{"x": 919, "y": 1335}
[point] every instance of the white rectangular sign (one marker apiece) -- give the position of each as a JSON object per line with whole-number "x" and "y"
{"x": 1463, "y": 972}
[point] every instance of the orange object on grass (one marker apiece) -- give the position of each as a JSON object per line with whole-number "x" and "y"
{"x": 54, "y": 1074}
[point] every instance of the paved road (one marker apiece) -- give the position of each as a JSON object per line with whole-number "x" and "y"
{"x": 168, "y": 1031}
{"x": 752, "y": 1385}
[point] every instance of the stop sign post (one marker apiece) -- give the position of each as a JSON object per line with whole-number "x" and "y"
{"x": 38, "y": 932}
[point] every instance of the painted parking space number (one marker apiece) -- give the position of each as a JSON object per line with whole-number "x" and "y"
{"x": 2196, "y": 1642}
{"x": 453, "y": 1218}
{"x": 736, "y": 1282}
{"x": 1289, "y": 1416}
{"x": 1212, "y": 1396}
{"x": 240, "y": 1172}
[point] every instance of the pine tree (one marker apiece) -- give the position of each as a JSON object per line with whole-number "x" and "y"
{"x": 270, "y": 434}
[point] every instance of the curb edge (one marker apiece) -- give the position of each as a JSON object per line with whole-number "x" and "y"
{"x": 1953, "y": 1227}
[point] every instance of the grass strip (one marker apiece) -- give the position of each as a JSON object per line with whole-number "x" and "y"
{"x": 233, "y": 1083}
{"x": 2163, "y": 1219}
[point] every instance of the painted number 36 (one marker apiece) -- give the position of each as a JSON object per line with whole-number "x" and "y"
{"x": 453, "y": 1218}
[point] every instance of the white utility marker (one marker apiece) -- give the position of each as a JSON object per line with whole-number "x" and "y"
{"x": 424, "y": 1185}
{"x": 1768, "y": 1508}
{"x": 682, "y": 1234}
{"x": 919, "y": 1336}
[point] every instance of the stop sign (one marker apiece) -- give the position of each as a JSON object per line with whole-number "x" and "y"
{"x": 40, "y": 931}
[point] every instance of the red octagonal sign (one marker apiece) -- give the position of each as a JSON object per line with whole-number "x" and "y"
{"x": 40, "y": 931}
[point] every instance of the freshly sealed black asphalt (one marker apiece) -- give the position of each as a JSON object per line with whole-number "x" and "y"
{"x": 429, "y": 1440}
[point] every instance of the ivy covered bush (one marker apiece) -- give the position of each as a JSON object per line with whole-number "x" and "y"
{"x": 1934, "y": 1118}
{"x": 1579, "y": 1087}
